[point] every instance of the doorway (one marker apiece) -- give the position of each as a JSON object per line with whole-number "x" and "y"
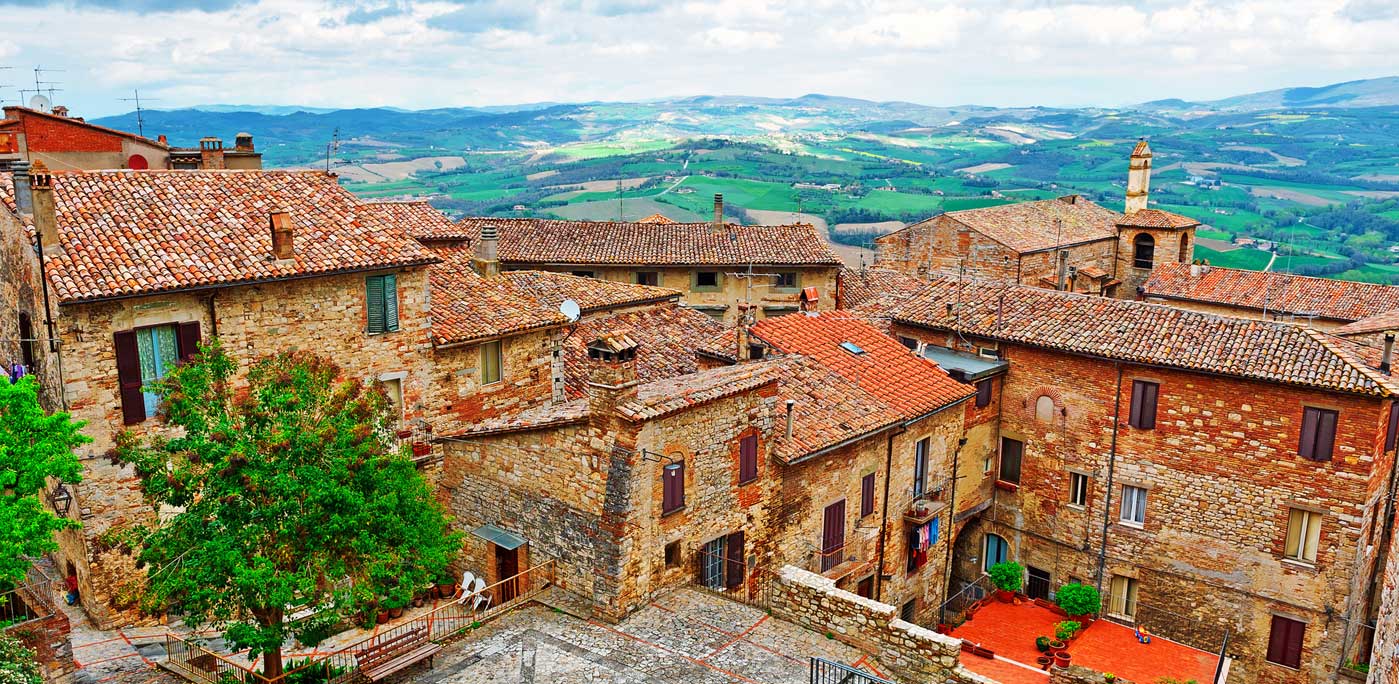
{"x": 1038, "y": 585}
{"x": 865, "y": 587}
{"x": 507, "y": 566}
{"x": 833, "y": 535}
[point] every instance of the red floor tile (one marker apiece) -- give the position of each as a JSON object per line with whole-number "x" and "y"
{"x": 1010, "y": 630}
{"x": 1003, "y": 671}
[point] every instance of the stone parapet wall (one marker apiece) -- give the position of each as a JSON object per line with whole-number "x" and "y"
{"x": 1078, "y": 674}
{"x": 911, "y": 653}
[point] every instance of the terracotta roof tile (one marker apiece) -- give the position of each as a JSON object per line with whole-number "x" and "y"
{"x": 1138, "y": 332}
{"x": 1156, "y": 218}
{"x": 541, "y": 241}
{"x": 668, "y": 335}
{"x": 536, "y": 418}
{"x": 1378, "y": 323}
{"x": 1336, "y": 300}
{"x": 467, "y": 307}
{"x": 876, "y": 288}
{"x": 126, "y": 233}
{"x": 1036, "y": 226}
{"x": 829, "y": 409}
{"x": 859, "y": 352}
{"x": 420, "y": 219}
{"x": 672, "y": 395}
{"x": 656, "y": 218}
{"x": 592, "y": 294}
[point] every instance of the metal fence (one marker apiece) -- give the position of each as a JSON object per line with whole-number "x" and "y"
{"x": 955, "y": 609}
{"x": 753, "y": 586}
{"x": 30, "y": 601}
{"x": 830, "y": 672}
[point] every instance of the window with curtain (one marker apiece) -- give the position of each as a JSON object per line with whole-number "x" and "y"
{"x": 1078, "y": 489}
{"x": 490, "y": 362}
{"x": 1303, "y": 535}
{"x": 1133, "y": 505}
{"x": 996, "y": 551}
{"x": 159, "y": 352}
{"x": 920, "y": 467}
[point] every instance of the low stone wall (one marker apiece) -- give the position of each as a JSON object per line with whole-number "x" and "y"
{"x": 1077, "y": 674}
{"x": 912, "y": 653}
{"x": 47, "y": 636}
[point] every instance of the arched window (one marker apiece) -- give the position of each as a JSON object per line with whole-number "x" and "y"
{"x": 1044, "y": 408}
{"x": 1143, "y": 251}
{"x": 26, "y": 340}
{"x": 996, "y": 551}
{"x": 1184, "y": 257}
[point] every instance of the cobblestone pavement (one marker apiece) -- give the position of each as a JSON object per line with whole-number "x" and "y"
{"x": 688, "y": 637}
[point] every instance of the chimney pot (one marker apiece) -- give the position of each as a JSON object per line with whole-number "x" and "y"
{"x": 485, "y": 259}
{"x": 791, "y": 404}
{"x": 1388, "y": 352}
{"x": 162, "y": 139}
{"x": 45, "y": 216}
{"x": 718, "y": 210}
{"x": 24, "y": 198}
{"x": 283, "y": 235}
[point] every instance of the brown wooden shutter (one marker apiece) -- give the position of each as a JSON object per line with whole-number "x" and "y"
{"x": 748, "y": 458}
{"x": 1285, "y": 641}
{"x": 187, "y": 338}
{"x": 1306, "y": 448}
{"x": 733, "y": 550}
{"x": 866, "y": 495}
{"x": 133, "y": 403}
{"x": 1296, "y": 633}
{"x": 1134, "y": 418}
{"x": 1393, "y": 433}
{"x": 1325, "y": 435}
{"x": 983, "y": 393}
{"x": 1148, "y": 417}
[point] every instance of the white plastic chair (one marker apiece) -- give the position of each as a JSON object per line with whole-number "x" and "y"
{"x": 466, "y": 579}
{"x": 480, "y": 598}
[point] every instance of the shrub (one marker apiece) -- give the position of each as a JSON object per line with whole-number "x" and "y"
{"x": 17, "y": 663}
{"x": 1066, "y": 630}
{"x": 1007, "y": 575}
{"x": 1078, "y": 599}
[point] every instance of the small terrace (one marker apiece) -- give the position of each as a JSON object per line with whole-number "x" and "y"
{"x": 999, "y": 642}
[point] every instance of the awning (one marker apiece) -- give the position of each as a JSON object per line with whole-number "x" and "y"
{"x": 970, "y": 366}
{"x": 499, "y": 537}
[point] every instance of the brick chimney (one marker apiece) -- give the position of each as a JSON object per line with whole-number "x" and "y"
{"x": 485, "y": 260}
{"x": 612, "y": 379}
{"x": 45, "y": 216}
{"x": 283, "y": 235}
{"x": 243, "y": 142}
{"x": 718, "y": 211}
{"x": 60, "y": 110}
{"x": 162, "y": 139}
{"x": 211, "y": 153}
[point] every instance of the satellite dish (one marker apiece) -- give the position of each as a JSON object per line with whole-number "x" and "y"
{"x": 40, "y": 103}
{"x": 570, "y": 310}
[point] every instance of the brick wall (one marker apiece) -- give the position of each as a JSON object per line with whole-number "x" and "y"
{"x": 45, "y": 134}
{"x": 457, "y": 398}
{"x": 1384, "y": 662}
{"x": 911, "y": 653}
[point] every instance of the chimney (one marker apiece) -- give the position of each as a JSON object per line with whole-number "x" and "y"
{"x": 1138, "y": 178}
{"x": 243, "y": 142}
{"x": 1388, "y": 352}
{"x": 612, "y": 378}
{"x": 162, "y": 139}
{"x": 485, "y": 259}
{"x": 718, "y": 211}
{"x": 283, "y": 235}
{"x": 210, "y": 153}
{"x": 60, "y": 110}
{"x": 791, "y": 404}
{"x": 1063, "y": 270}
{"x": 24, "y": 198}
{"x": 45, "y": 218}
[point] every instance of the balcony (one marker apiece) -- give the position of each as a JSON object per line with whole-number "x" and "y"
{"x": 854, "y": 558}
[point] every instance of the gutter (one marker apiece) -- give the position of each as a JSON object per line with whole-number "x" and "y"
{"x": 884, "y": 517}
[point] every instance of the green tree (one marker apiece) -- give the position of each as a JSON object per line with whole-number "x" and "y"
{"x": 17, "y": 663}
{"x": 285, "y": 489}
{"x": 34, "y": 446}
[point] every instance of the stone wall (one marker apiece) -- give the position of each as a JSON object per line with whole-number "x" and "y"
{"x": 49, "y": 639}
{"x": 456, "y": 397}
{"x": 20, "y": 284}
{"x": 1169, "y": 248}
{"x": 909, "y": 652}
{"x": 1078, "y": 674}
{"x": 1384, "y": 658}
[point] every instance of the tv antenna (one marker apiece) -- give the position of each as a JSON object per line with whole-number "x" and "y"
{"x": 39, "y": 101}
{"x": 332, "y": 147}
{"x": 140, "y": 114}
{"x": 6, "y": 85}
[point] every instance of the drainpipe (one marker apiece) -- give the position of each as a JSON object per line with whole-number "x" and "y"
{"x": 884, "y": 517}
{"x": 49, "y": 326}
{"x": 951, "y": 530}
{"x": 1112, "y": 463}
{"x": 213, "y": 315}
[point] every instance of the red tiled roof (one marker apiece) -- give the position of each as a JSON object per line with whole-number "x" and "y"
{"x": 672, "y": 395}
{"x": 911, "y": 384}
{"x": 534, "y": 418}
{"x": 668, "y": 335}
{"x": 420, "y": 219}
{"x": 876, "y": 288}
{"x": 1137, "y": 332}
{"x": 541, "y": 241}
{"x": 592, "y": 294}
{"x": 126, "y": 233}
{"x": 656, "y": 218}
{"x": 1036, "y": 226}
{"x": 1378, "y": 323}
{"x": 1336, "y": 300}
{"x": 467, "y": 307}
{"x": 1156, "y": 218}
{"x": 829, "y": 408}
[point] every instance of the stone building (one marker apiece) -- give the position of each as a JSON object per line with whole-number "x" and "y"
{"x": 25, "y": 332}
{"x": 66, "y": 143}
{"x": 776, "y": 269}
{"x": 1210, "y": 475}
{"x": 1384, "y": 665}
{"x": 1067, "y": 244}
{"x": 142, "y": 266}
{"x": 1322, "y": 303}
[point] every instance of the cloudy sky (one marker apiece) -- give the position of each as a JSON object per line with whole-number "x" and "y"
{"x": 434, "y": 53}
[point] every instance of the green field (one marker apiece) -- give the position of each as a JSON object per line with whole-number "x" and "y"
{"x": 1252, "y": 259}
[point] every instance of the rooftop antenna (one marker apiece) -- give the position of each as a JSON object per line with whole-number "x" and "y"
{"x": 332, "y": 147}
{"x": 140, "y": 114}
{"x": 5, "y": 85}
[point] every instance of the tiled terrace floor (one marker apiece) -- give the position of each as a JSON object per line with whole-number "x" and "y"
{"x": 1010, "y": 631}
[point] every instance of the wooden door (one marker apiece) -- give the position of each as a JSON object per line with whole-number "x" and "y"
{"x": 833, "y": 535}
{"x": 507, "y": 565}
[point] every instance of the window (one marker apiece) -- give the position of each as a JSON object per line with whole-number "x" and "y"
{"x": 648, "y": 278}
{"x": 26, "y": 341}
{"x": 921, "y": 540}
{"x": 1184, "y": 256}
{"x": 852, "y": 348}
{"x": 672, "y": 487}
{"x": 490, "y": 362}
{"x": 989, "y": 463}
{"x": 1143, "y": 415}
{"x": 145, "y": 355}
{"x": 867, "y": 495}
{"x": 393, "y": 387}
{"x": 747, "y": 459}
{"x": 1012, "y": 452}
{"x": 996, "y": 551}
{"x": 1044, "y": 408}
{"x": 1285, "y": 642}
{"x": 920, "y": 467}
{"x": 909, "y": 610}
{"x": 672, "y": 555}
{"x": 381, "y": 299}
{"x": 909, "y": 342}
{"x": 983, "y": 393}
{"x": 712, "y": 563}
{"x": 786, "y": 280}
{"x": 1133, "y": 510}
{"x": 1318, "y": 433}
{"x": 1124, "y": 596}
{"x": 1078, "y": 489}
{"x": 1303, "y": 535}
{"x": 1393, "y": 432}
{"x": 1143, "y": 251}
{"x": 706, "y": 280}
{"x": 584, "y": 274}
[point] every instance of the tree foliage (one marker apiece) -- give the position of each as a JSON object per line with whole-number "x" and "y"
{"x": 286, "y": 489}
{"x": 34, "y": 446}
{"x": 1078, "y": 599}
{"x": 18, "y": 664}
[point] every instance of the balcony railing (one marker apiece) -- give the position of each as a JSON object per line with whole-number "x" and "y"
{"x": 851, "y": 557}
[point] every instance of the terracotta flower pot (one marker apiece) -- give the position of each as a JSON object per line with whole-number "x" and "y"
{"x": 418, "y": 601}
{"x": 447, "y": 590}
{"x": 382, "y": 617}
{"x": 1061, "y": 658}
{"x": 1056, "y": 646}
{"x": 395, "y": 613}
{"x": 421, "y": 448}
{"x": 1044, "y": 662}
{"x": 1004, "y": 596}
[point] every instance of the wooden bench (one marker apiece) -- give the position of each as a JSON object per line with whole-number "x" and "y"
{"x": 395, "y": 654}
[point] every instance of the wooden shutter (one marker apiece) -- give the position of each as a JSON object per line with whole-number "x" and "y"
{"x": 390, "y": 303}
{"x": 733, "y": 561}
{"x": 832, "y": 535}
{"x": 1149, "y": 392}
{"x": 1285, "y": 641}
{"x": 748, "y": 458}
{"x": 1325, "y": 435}
{"x": 374, "y": 302}
{"x": 187, "y": 340}
{"x": 1134, "y": 417}
{"x": 1390, "y": 436}
{"x": 866, "y": 495}
{"x": 133, "y": 403}
{"x": 672, "y": 487}
{"x": 1306, "y": 448}
{"x": 983, "y": 393}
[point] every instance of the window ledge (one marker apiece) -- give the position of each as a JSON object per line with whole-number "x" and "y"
{"x": 1132, "y": 525}
{"x": 1077, "y": 507}
{"x": 667, "y": 514}
{"x": 1299, "y": 564}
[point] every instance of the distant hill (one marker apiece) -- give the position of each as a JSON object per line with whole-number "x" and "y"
{"x": 1374, "y": 92}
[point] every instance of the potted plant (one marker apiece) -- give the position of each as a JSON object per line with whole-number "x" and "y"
{"x": 1061, "y": 658}
{"x": 1057, "y": 645}
{"x": 446, "y": 584}
{"x": 1042, "y": 643}
{"x": 1007, "y": 576}
{"x": 1044, "y": 662}
{"x": 1109, "y": 677}
{"x": 1080, "y": 601}
{"x": 1067, "y": 630}
{"x": 421, "y": 448}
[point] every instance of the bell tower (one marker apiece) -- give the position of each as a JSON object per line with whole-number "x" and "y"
{"x": 1138, "y": 178}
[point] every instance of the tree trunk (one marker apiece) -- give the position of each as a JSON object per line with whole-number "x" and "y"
{"x": 271, "y": 658}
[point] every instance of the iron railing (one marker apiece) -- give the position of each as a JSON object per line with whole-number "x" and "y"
{"x": 954, "y": 610}
{"x": 755, "y": 587}
{"x": 30, "y": 601}
{"x": 830, "y": 672}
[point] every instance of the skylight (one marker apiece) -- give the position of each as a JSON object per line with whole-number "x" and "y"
{"x": 852, "y": 348}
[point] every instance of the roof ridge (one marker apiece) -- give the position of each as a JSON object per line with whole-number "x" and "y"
{"x": 1334, "y": 345}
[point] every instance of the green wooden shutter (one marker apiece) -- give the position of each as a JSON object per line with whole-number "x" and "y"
{"x": 390, "y": 303}
{"x": 374, "y": 301}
